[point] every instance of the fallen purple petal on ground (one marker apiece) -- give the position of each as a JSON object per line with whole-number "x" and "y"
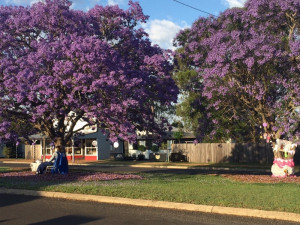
{"x": 30, "y": 176}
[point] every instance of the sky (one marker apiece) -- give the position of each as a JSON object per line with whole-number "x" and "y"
{"x": 166, "y": 17}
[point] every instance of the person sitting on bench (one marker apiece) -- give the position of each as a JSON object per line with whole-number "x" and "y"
{"x": 42, "y": 167}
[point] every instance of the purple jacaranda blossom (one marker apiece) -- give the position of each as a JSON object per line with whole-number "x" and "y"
{"x": 59, "y": 64}
{"x": 247, "y": 60}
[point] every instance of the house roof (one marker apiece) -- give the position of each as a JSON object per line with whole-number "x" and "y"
{"x": 38, "y": 136}
{"x": 170, "y": 135}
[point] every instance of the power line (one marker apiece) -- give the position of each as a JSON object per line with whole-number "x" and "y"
{"x": 194, "y": 8}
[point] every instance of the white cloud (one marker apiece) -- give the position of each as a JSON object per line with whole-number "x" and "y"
{"x": 35, "y": 1}
{"x": 17, "y": 2}
{"x": 162, "y": 32}
{"x": 235, "y": 3}
{"x": 115, "y": 2}
{"x": 22, "y": 2}
{"x": 84, "y": 5}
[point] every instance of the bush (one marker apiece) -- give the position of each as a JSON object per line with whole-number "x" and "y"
{"x": 141, "y": 157}
{"x": 178, "y": 157}
{"x": 9, "y": 152}
{"x": 141, "y": 148}
{"x": 154, "y": 148}
{"x": 163, "y": 146}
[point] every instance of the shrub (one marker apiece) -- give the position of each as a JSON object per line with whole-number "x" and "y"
{"x": 163, "y": 146}
{"x": 154, "y": 148}
{"x": 141, "y": 148}
{"x": 178, "y": 157}
{"x": 141, "y": 157}
{"x": 9, "y": 152}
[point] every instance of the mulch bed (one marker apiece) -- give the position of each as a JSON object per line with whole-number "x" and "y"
{"x": 268, "y": 179}
{"x": 74, "y": 176}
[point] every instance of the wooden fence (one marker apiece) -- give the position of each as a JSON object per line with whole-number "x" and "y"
{"x": 33, "y": 152}
{"x": 225, "y": 152}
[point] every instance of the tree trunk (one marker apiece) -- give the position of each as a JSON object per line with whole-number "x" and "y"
{"x": 59, "y": 141}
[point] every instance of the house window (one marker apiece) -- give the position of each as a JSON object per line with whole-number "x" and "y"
{"x": 77, "y": 150}
{"x": 49, "y": 148}
{"x": 142, "y": 143}
{"x": 90, "y": 147}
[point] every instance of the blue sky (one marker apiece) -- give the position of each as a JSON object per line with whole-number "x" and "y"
{"x": 167, "y": 17}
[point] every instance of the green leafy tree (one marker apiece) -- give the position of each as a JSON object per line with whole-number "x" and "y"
{"x": 195, "y": 113}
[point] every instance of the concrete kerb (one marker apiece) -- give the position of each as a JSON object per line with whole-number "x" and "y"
{"x": 160, "y": 204}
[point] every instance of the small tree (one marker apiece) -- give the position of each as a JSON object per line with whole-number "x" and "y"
{"x": 163, "y": 146}
{"x": 178, "y": 135}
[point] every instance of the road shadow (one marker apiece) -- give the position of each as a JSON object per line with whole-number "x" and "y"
{"x": 68, "y": 220}
{"x": 6, "y": 200}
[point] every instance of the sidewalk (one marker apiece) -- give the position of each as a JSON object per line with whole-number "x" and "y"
{"x": 294, "y": 217}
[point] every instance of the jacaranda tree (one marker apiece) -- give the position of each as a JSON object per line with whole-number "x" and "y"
{"x": 59, "y": 66}
{"x": 248, "y": 67}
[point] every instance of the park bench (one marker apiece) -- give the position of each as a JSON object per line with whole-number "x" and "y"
{"x": 48, "y": 169}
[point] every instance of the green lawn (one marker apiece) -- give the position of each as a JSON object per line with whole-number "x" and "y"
{"x": 197, "y": 189}
{"x": 4, "y": 169}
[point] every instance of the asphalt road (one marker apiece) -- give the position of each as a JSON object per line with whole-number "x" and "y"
{"x": 25, "y": 210}
{"x": 164, "y": 170}
{"x": 128, "y": 169}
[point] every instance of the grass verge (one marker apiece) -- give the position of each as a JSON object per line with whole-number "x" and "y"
{"x": 196, "y": 189}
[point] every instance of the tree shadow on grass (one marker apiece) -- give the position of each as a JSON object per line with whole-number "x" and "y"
{"x": 246, "y": 175}
{"x": 28, "y": 179}
{"x": 207, "y": 171}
